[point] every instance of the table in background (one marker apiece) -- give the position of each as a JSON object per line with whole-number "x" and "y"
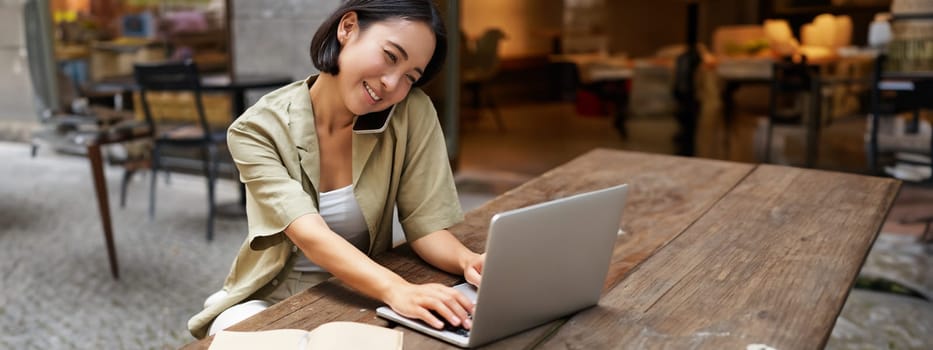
{"x": 715, "y": 255}
{"x": 835, "y": 73}
{"x": 608, "y": 77}
{"x": 237, "y": 87}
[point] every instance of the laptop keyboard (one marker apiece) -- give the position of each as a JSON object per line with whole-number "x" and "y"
{"x": 451, "y": 328}
{"x": 456, "y": 329}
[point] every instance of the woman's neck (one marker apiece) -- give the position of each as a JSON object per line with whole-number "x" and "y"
{"x": 330, "y": 113}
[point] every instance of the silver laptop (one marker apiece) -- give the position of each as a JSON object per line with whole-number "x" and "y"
{"x": 543, "y": 262}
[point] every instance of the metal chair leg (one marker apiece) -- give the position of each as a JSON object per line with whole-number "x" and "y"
{"x": 495, "y": 112}
{"x": 210, "y": 168}
{"x": 156, "y": 163}
{"x": 768, "y": 140}
{"x": 127, "y": 175}
{"x": 927, "y": 236}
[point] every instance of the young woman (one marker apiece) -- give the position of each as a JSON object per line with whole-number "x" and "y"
{"x": 323, "y": 175}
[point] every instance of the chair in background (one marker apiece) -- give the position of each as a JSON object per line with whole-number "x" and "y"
{"x": 846, "y": 89}
{"x": 684, "y": 92}
{"x": 176, "y": 131}
{"x": 480, "y": 66}
{"x": 684, "y": 89}
{"x": 795, "y": 101}
{"x": 898, "y": 102}
{"x": 897, "y": 125}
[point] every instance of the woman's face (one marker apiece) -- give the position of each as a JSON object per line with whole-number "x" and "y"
{"x": 378, "y": 66}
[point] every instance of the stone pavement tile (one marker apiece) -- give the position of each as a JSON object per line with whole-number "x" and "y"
{"x": 901, "y": 259}
{"x": 875, "y": 320}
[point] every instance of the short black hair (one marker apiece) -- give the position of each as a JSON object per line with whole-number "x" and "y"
{"x": 325, "y": 48}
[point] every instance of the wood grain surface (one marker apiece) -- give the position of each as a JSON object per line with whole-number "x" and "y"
{"x": 771, "y": 264}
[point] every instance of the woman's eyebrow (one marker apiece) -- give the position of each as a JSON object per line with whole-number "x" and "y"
{"x": 404, "y": 54}
{"x": 399, "y": 47}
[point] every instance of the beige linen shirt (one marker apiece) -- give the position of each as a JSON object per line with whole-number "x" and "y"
{"x": 274, "y": 145}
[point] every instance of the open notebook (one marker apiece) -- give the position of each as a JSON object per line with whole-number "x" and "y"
{"x": 332, "y": 335}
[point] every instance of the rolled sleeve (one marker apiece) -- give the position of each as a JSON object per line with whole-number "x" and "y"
{"x": 274, "y": 193}
{"x": 427, "y": 198}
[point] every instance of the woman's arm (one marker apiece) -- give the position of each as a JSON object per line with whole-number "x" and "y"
{"x": 330, "y": 251}
{"x": 447, "y": 253}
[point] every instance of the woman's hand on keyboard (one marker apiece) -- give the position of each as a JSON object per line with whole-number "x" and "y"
{"x": 418, "y": 300}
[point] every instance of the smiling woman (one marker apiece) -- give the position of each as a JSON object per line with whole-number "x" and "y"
{"x": 322, "y": 180}
{"x": 380, "y": 71}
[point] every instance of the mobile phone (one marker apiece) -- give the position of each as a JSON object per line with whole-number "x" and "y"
{"x": 372, "y": 123}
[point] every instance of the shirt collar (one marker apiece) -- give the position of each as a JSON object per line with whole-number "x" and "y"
{"x": 303, "y": 131}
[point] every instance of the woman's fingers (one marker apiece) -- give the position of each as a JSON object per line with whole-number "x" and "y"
{"x": 459, "y": 311}
{"x": 427, "y": 316}
{"x": 474, "y": 272}
{"x": 433, "y": 303}
{"x": 472, "y": 276}
{"x": 452, "y": 305}
{"x": 443, "y": 309}
{"x": 463, "y": 302}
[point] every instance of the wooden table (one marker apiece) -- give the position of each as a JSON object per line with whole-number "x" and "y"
{"x": 715, "y": 255}
{"x": 759, "y": 72}
{"x": 608, "y": 77}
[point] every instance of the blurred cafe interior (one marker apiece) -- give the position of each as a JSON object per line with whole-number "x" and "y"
{"x": 691, "y": 78}
{"x": 839, "y": 85}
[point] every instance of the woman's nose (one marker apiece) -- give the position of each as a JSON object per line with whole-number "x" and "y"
{"x": 391, "y": 82}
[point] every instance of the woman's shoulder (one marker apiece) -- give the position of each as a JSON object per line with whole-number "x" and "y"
{"x": 416, "y": 110}
{"x": 283, "y": 95}
{"x": 417, "y": 99}
{"x": 271, "y": 109}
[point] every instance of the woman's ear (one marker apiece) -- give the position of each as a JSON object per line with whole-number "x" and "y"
{"x": 347, "y": 27}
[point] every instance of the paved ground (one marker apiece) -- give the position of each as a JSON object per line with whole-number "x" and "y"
{"x": 57, "y": 290}
{"x": 876, "y": 320}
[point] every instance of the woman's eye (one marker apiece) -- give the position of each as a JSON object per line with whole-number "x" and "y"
{"x": 391, "y": 56}
{"x": 411, "y": 79}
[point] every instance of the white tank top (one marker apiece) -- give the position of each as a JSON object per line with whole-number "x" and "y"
{"x": 342, "y": 214}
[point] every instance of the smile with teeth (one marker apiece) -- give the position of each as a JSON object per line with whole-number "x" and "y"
{"x": 372, "y": 93}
